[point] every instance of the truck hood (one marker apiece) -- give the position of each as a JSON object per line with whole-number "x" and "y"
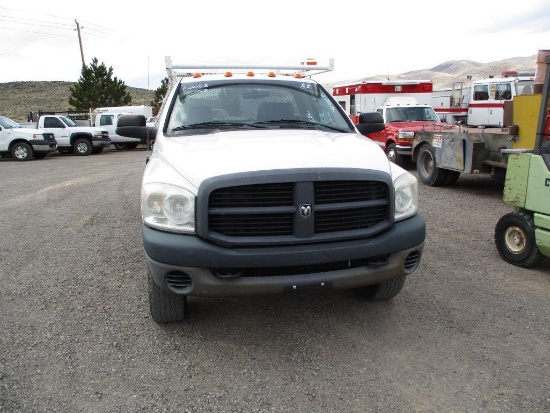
{"x": 25, "y": 130}
{"x": 198, "y": 157}
{"x": 88, "y": 129}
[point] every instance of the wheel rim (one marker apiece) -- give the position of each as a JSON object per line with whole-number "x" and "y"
{"x": 21, "y": 152}
{"x": 515, "y": 240}
{"x": 427, "y": 163}
{"x": 391, "y": 155}
{"x": 82, "y": 147}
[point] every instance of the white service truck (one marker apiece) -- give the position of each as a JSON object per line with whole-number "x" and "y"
{"x": 107, "y": 118}
{"x": 22, "y": 143}
{"x": 72, "y": 137}
{"x": 259, "y": 183}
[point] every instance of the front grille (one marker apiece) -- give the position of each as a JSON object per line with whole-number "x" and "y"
{"x": 297, "y": 212}
{"x": 50, "y": 137}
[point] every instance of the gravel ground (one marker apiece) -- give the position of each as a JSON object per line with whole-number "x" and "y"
{"x": 469, "y": 332}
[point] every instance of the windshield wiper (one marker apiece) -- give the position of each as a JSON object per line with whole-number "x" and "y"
{"x": 217, "y": 124}
{"x": 304, "y": 123}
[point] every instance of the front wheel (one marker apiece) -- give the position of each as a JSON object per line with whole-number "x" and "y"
{"x": 382, "y": 291}
{"x": 165, "y": 307}
{"x": 120, "y": 146}
{"x": 515, "y": 239}
{"x": 21, "y": 151}
{"x": 393, "y": 156}
{"x": 428, "y": 172}
{"x": 82, "y": 147}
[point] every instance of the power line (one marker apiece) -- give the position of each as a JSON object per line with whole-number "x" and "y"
{"x": 29, "y": 31}
{"x": 35, "y": 22}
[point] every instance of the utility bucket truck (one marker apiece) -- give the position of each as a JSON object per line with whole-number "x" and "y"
{"x": 441, "y": 156}
{"x": 522, "y": 237}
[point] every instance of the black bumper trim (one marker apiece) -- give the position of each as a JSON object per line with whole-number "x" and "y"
{"x": 191, "y": 251}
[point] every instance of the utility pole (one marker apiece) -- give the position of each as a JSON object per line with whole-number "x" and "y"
{"x": 80, "y": 41}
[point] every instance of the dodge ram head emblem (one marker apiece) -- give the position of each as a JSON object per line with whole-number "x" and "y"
{"x": 305, "y": 210}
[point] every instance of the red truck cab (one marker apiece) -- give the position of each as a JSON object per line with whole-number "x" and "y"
{"x": 404, "y": 118}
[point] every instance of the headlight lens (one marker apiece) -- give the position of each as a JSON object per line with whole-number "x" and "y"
{"x": 406, "y": 196}
{"x": 405, "y": 135}
{"x": 168, "y": 207}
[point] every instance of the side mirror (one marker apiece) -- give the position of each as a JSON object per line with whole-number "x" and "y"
{"x": 370, "y": 122}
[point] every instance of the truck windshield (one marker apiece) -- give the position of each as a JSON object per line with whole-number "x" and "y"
{"x": 68, "y": 121}
{"x": 524, "y": 87}
{"x": 411, "y": 114}
{"x": 8, "y": 123}
{"x": 255, "y": 104}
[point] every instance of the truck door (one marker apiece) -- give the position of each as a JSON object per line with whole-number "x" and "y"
{"x": 107, "y": 122}
{"x": 498, "y": 94}
{"x": 478, "y": 111}
{"x": 61, "y": 132}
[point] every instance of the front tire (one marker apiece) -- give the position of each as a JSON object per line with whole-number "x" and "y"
{"x": 393, "y": 156}
{"x": 120, "y": 146}
{"x": 165, "y": 307}
{"x": 452, "y": 177}
{"x": 382, "y": 291}
{"x": 515, "y": 239}
{"x": 428, "y": 172}
{"x": 21, "y": 151}
{"x": 82, "y": 147}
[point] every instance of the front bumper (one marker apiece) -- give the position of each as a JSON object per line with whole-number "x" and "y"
{"x": 185, "y": 264}
{"x": 403, "y": 149}
{"x": 42, "y": 146}
{"x": 101, "y": 142}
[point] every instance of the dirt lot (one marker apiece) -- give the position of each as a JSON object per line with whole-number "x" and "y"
{"x": 469, "y": 332}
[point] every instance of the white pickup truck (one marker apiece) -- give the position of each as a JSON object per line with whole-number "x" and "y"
{"x": 108, "y": 121}
{"x": 72, "y": 137}
{"x": 23, "y": 143}
{"x": 259, "y": 183}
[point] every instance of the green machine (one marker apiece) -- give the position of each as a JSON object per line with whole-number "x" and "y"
{"x": 522, "y": 237}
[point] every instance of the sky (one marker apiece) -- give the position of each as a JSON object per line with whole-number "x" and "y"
{"x": 39, "y": 39}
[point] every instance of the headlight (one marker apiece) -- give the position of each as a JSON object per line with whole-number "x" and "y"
{"x": 406, "y": 196}
{"x": 405, "y": 135}
{"x": 168, "y": 207}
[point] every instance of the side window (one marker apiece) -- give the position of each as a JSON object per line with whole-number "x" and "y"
{"x": 503, "y": 91}
{"x": 481, "y": 92}
{"x": 106, "y": 120}
{"x": 53, "y": 123}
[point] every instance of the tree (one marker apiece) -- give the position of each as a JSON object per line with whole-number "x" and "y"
{"x": 97, "y": 88}
{"x": 160, "y": 92}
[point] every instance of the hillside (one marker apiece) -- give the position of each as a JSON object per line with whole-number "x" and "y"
{"x": 20, "y": 98}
